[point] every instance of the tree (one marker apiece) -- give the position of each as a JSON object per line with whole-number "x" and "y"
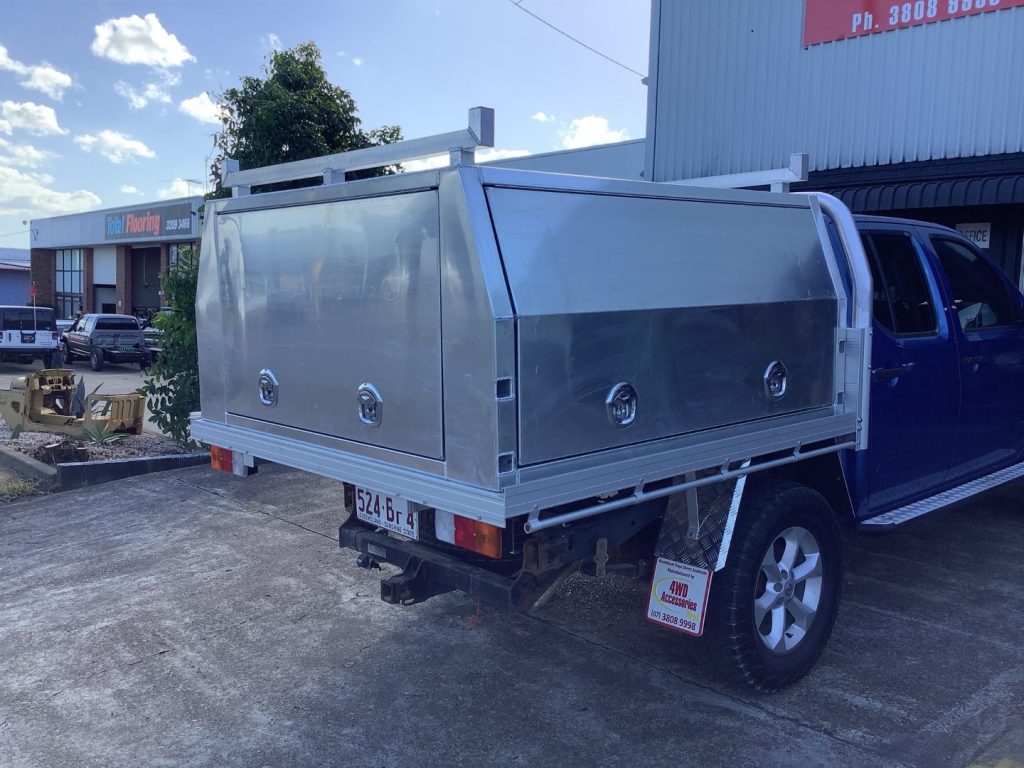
{"x": 292, "y": 113}
{"x": 171, "y": 383}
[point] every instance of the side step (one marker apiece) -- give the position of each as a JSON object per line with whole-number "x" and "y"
{"x": 888, "y": 521}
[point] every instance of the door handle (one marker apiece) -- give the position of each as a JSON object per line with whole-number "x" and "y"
{"x": 972, "y": 360}
{"x": 880, "y": 374}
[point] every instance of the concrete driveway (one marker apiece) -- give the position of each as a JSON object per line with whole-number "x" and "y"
{"x": 193, "y": 618}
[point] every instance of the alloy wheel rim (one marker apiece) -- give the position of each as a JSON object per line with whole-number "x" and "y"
{"x": 787, "y": 594}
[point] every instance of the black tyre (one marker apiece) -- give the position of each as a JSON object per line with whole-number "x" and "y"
{"x": 96, "y": 359}
{"x": 68, "y": 358}
{"x": 772, "y": 608}
{"x": 51, "y": 360}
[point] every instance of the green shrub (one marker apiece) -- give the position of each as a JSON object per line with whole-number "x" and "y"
{"x": 171, "y": 384}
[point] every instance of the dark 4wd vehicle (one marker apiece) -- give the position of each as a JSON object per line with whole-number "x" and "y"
{"x": 105, "y": 339}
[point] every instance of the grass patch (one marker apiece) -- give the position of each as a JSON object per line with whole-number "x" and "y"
{"x": 18, "y": 489}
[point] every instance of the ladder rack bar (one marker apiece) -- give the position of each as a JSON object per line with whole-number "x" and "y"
{"x": 479, "y": 133}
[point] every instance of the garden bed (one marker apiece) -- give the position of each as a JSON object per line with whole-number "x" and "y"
{"x": 53, "y": 449}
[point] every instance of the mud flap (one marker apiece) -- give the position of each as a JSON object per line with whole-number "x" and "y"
{"x": 692, "y": 544}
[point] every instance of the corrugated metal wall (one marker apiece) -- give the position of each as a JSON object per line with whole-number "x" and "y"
{"x": 734, "y": 90}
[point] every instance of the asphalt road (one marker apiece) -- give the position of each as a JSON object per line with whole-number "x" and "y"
{"x": 197, "y": 619}
{"x": 116, "y": 379}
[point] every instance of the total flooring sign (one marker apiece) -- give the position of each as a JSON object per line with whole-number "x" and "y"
{"x": 827, "y": 20}
{"x": 156, "y": 221}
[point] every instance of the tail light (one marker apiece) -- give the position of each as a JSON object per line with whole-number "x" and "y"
{"x": 482, "y": 538}
{"x": 53, "y": 335}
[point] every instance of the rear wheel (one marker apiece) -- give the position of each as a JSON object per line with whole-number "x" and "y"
{"x": 69, "y": 358}
{"x": 96, "y": 359}
{"x": 51, "y": 360}
{"x": 772, "y": 608}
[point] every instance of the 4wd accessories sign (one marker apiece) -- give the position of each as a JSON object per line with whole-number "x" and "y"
{"x": 827, "y": 20}
{"x": 156, "y": 221}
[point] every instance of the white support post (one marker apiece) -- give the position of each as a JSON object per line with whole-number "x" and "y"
{"x": 778, "y": 179}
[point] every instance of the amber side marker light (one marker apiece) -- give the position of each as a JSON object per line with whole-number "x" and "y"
{"x": 221, "y": 459}
{"x": 480, "y": 537}
{"x": 469, "y": 534}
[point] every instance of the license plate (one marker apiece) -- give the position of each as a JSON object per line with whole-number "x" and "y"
{"x": 387, "y": 512}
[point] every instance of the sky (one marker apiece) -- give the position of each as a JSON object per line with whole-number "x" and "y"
{"x": 108, "y": 103}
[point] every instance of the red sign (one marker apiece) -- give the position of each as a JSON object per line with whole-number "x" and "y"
{"x": 827, "y": 20}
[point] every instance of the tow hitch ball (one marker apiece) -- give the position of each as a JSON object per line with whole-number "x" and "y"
{"x": 367, "y": 561}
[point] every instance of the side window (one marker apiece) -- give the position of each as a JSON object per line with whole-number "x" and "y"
{"x": 979, "y": 294}
{"x": 902, "y": 301}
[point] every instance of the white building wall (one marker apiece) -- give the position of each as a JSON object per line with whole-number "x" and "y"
{"x": 104, "y": 265}
{"x": 733, "y": 90}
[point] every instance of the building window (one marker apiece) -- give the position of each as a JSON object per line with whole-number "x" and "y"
{"x": 70, "y": 264}
{"x": 174, "y": 250}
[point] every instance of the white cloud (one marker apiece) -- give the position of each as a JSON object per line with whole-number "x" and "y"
{"x": 29, "y": 116}
{"x": 202, "y": 108}
{"x": 438, "y": 161}
{"x": 493, "y": 155}
{"x": 128, "y": 189}
{"x": 27, "y": 195}
{"x": 482, "y": 156}
{"x": 11, "y": 65}
{"x": 139, "y": 40}
{"x": 591, "y": 130}
{"x": 271, "y": 41}
{"x": 24, "y": 155}
{"x": 177, "y": 188}
{"x": 151, "y": 93}
{"x": 40, "y": 77}
{"x": 114, "y": 146}
{"x": 541, "y": 117}
{"x": 48, "y": 80}
{"x": 357, "y": 61}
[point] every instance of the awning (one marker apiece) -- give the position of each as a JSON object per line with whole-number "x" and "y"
{"x": 944, "y": 193}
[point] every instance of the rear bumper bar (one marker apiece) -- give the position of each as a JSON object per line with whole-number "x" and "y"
{"x": 426, "y": 572}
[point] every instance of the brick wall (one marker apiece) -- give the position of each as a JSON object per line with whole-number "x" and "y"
{"x": 44, "y": 274}
{"x": 124, "y": 279}
{"x": 87, "y": 290}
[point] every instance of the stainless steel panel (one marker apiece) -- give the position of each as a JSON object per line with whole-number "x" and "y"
{"x": 687, "y": 301}
{"x": 541, "y": 487}
{"x": 331, "y": 296}
{"x": 213, "y": 337}
{"x": 479, "y": 336}
{"x": 692, "y": 369}
{"x": 570, "y": 253}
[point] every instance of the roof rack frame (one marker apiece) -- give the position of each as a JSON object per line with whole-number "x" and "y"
{"x": 460, "y": 146}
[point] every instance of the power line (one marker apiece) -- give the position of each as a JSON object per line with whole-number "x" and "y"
{"x": 11, "y": 234}
{"x": 592, "y": 49}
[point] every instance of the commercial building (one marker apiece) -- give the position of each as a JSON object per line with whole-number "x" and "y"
{"x": 14, "y": 283}
{"x": 110, "y": 260}
{"x": 904, "y": 108}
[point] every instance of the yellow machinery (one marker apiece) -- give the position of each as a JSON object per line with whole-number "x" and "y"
{"x": 42, "y": 402}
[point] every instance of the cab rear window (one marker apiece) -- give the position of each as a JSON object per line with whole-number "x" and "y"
{"x": 28, "y": 319}
{"x": 117, "y": 324}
